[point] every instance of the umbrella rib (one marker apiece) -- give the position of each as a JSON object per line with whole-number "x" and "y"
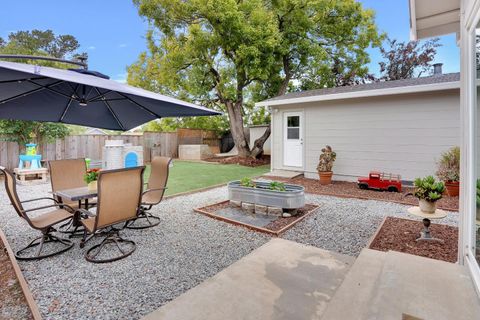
{"x": 111, "y": 110}
{"x": 50, "y": 89}
{"x": 24, "y": 94}
{"x": 69, "y": 101}
{"x": 99, "y": 97}
{"x": 139, "y": 105}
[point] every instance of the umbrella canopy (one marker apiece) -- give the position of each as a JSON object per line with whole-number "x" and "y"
{"x": 82, "y": 97}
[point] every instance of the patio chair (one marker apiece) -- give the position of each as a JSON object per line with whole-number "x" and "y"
{"x": 68, "y": 174}
{"x": 43, "y": 222}
{"x": 156, "y": 187}
{"x": 119, "y": 198}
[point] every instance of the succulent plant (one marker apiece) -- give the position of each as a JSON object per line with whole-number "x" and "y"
{"x": 247, "y": 182}
{"x": 276, "y": 186}
{"x": 326, "y": 160}
{"x": 428, "y": 189}
{"x": 449, "y": 165}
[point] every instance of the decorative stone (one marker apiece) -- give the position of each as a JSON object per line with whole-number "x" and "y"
{"x": 275, "y": 211}
{"x": 292, "y": 212}
{"x": 249, "y": 207}
{"x": 234, "y": 203}
{"x": 259, "y": 209}
{"x": 286, "y": 215}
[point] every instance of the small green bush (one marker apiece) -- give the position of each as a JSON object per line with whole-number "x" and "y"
{"x": 428, "y": 189}
{"x": 247, "y": 182}
{"x": 277, "y": 186}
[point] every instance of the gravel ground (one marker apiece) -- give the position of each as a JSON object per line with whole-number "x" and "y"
{"x": 346, "y": 225}
{"x": 185, "y": 249}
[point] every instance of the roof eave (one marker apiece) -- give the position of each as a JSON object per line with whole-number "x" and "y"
{"x": 363, "y": 94}
{"x": 426, "y": 24}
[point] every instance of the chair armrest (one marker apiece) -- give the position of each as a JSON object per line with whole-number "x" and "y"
{"x": 151, "y": 190}
{"x": 49, "y": 206}
{"x": 43, "y": 198}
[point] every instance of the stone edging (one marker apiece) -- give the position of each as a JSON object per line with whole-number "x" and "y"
{"x": 372, "y": 238}
{"x": 32, "y": 305}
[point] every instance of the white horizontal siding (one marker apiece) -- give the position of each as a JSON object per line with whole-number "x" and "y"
{"x": 402, "y": 134}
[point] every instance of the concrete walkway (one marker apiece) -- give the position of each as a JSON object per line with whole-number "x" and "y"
{"x": 280, "y": 280}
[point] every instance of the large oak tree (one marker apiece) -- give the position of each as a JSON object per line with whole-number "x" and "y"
{"x": 227, "y": 53}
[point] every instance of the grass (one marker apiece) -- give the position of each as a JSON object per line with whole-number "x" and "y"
{"x": 187, "y": 176}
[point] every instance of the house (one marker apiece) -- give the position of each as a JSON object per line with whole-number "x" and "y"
{"x": 95, "y": 131}
{"x": 397, "y": 126}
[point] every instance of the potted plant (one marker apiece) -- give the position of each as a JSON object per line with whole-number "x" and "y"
{"x": 325, "y": 165}
{"x": 449, "y": 170}
{"x": 428, "y": 191}
{"x": 91, "y": 177}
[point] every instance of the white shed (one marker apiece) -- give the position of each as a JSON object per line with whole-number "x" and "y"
{"x": 399, "y": 127}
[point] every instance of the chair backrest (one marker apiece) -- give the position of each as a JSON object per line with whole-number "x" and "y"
{"x": 67, "y": 174}
{"x": 119, "y": 195}
{"x": 158, "y": 177}
{"x": 11, "y": 187}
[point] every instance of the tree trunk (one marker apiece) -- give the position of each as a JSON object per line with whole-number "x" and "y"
{"x": 236, "y": 127}
{"x": 257, "y": 148}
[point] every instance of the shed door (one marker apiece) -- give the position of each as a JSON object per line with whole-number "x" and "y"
{"x": 293, "y": 139}
{"x": 131, "y": 160}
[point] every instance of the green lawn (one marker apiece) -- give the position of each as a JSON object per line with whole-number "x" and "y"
{"x": 186, "y": 176}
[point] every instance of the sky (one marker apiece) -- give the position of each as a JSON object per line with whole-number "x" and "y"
{"x": 113, "y": 34}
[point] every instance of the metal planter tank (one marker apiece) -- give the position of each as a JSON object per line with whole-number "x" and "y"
{"x": 292, "y": 198}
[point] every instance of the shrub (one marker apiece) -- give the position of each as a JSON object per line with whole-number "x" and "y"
{"x": 326, "y": 160}
{"x": 428, "y": 189}
{"x": 277, "y": 186}
{"x": 449, "y": 165}
{"x": 247, "y": 182}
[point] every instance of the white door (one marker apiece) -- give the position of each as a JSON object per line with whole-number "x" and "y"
{"x": 293, "y": 139}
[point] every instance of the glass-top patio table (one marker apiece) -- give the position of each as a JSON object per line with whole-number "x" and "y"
{"x": 78, "y": 194}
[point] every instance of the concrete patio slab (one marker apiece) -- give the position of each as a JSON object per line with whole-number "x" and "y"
{"x": 283, "y": 174}
{"x": 280, "y": 280}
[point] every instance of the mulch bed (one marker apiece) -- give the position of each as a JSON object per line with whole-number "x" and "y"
{"x": 351, "y": 190}
{"x": 276, "y": 227}
{"x": 248, "y": 162}
{"x": 13, "y": 304}
{"x": 400, "y": 235}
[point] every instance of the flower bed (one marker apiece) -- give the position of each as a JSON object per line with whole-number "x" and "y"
{"x": 399, "y": 234}
{"x": 273, "y": 225}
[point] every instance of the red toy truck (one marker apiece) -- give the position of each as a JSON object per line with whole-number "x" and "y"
{"x": 381, "y": 181}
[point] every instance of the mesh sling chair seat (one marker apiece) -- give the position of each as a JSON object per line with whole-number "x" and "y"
{"x": 43, "y": 222}
{"x": 68, "y": 174}
{"x": 156, "y": 187}
{"x": 119, "y": 197}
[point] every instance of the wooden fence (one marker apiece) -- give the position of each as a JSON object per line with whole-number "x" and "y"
{"x": 90, "y": 146}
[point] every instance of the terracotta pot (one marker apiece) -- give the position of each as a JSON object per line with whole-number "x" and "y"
{"x": 325, "y": 177}
{"x": 92, "y": 185}
{"x": 427, "y": 206}
{"x": 452, "y": 188}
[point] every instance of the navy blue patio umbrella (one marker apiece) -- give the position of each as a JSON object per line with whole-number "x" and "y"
{"x": 82, "y": 97}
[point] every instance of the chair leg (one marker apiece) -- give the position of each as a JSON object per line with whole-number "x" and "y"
{"x": 112, "y": 237}
{"x": 144, "y": 220}
{"x": 40, "y": 242}
{"x": 71, "y": 229}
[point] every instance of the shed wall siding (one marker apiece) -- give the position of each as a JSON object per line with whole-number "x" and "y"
{"x": 402, "y": 134}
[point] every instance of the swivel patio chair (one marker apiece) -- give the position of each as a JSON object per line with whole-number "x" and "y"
{"x": 119, "y": 197}
{"x": 156, "y": 187}
{"x": 43, "y": 222}
{"x": 68, "y": 174}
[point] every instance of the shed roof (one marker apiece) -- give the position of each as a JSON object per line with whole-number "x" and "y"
{"x": 422, "y": 84}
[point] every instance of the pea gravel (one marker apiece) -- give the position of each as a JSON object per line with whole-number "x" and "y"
{"x": 185, "y": 249}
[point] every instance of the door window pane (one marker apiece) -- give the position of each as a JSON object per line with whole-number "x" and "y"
{"x": 293, "y": 121}
{"x": 293, "y": 133}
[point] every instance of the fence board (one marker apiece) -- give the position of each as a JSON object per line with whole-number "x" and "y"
{"x": 90, "y": 146}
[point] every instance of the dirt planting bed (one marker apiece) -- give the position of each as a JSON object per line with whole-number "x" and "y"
{"x": 248, "y": 162}
{"x": 351, "y": 190}
{"x": 272, "y": 225}
{"x": 13, "y": 304}
{"x": 399, "y": 234}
